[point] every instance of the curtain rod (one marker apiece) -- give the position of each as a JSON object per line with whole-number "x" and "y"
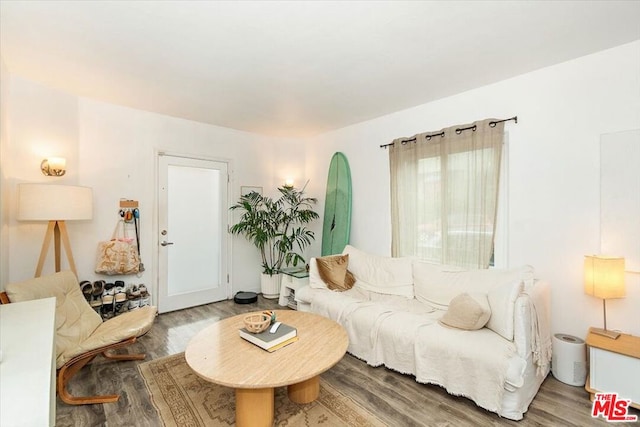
{"x": 458, "y": 131}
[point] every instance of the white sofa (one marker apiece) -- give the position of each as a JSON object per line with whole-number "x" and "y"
{"x": 392, "y": 317}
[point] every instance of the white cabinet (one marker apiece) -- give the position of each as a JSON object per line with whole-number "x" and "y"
{"x": 614, "y": 366}
{"x": 27, "y": 368}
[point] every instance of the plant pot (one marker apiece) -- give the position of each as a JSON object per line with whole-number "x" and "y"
{"x": 270, "y": 285}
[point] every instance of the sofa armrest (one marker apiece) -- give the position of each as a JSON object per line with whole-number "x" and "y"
{"x": 304, "y": 294}
{"x": 531, "y": 308}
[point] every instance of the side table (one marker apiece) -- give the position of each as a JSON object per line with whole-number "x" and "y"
{"x": 28, "y": 365}
{"x": 292, "y": 280}
{"x": 614, "y": 366}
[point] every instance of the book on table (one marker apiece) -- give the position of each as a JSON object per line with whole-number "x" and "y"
{"x": 271, "y": 341}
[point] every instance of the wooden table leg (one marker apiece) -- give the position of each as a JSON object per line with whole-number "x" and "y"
{"x": 306, "y": 391}
{"x": 254, "y": 407}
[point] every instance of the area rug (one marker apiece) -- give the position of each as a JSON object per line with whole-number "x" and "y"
{"x": 184, "y": 399}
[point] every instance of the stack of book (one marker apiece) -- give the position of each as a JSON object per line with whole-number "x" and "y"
{"x": 269, "y": 341}
{"x": 291, "y": 300}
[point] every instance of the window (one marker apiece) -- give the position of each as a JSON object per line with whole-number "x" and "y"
{"x": 444, "y": 190}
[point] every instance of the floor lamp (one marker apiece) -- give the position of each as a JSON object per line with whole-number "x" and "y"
{"x": 55, "y": 204}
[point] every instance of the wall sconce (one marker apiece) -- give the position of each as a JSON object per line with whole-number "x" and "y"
{"x": 288, "y": 183}
{"x": 54, "y": 166}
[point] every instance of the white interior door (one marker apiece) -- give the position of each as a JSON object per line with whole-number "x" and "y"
{"x": 192, "y": 232}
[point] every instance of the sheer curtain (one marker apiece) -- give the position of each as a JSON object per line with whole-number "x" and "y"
{"x": 444, "y": 193}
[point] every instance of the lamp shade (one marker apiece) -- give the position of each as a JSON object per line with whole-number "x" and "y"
{"x": 604, "y": 276}
{"x": 49, "y": 202}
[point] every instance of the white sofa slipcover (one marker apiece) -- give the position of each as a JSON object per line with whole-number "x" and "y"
{"x": 391, "y": 315}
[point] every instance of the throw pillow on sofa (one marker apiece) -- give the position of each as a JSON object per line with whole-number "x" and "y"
{"x": 384, "y": 275}
{"x": 467, "y": 311}
{"x": 502, "y": 302}
{"x": 315, "y": 281}
{"x": 333, "y": 271}
{"x": 437, "y": 284}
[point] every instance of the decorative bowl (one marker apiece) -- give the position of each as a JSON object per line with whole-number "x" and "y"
{"x": 257, "y": 322}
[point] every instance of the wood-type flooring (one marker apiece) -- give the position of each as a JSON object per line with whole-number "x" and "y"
{"x": 395, "y": 398}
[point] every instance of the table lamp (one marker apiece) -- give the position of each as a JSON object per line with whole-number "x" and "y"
{"x": 604, "y": 278}
{"x": 55, "y": 204}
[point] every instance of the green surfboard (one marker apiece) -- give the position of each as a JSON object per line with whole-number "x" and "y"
{"x": 337, "y": 207}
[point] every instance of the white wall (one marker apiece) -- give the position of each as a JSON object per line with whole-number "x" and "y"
{"x": 553, "y": 181}
{"x": 112, "y": 149}
{"x": 554, "y": 171}
{"x": 4, "y": 178}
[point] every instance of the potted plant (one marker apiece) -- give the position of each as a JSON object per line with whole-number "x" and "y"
{"x": 277, "y": 227}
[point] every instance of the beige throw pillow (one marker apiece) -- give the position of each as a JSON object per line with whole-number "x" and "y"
{"x": 333, "y": 271}
{"x": 467, "y": 311}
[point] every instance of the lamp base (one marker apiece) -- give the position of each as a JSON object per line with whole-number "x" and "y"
{"x": 606, "y": 333}
{"x": 57, "y": 230}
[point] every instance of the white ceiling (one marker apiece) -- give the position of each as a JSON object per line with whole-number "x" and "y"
{"x": 296, "y": 69}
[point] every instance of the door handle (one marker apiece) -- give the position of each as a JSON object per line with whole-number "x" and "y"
{"x": 165, "y": 243}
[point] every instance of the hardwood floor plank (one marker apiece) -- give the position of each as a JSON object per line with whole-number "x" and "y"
{"x": 395, "y": 398}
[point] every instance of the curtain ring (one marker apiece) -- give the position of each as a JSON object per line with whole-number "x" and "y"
{"x": 492, "y": 124}
{"x": 474, "y": 128}
{"x": 428, "y": 137}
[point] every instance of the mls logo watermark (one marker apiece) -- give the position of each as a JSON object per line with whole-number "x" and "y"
{"x": 612, "y": 408}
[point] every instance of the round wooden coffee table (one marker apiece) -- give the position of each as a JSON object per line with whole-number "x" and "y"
{"x": 219, "y": 355}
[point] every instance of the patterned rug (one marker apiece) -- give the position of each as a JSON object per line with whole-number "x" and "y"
{"x": 184, "y": 399}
